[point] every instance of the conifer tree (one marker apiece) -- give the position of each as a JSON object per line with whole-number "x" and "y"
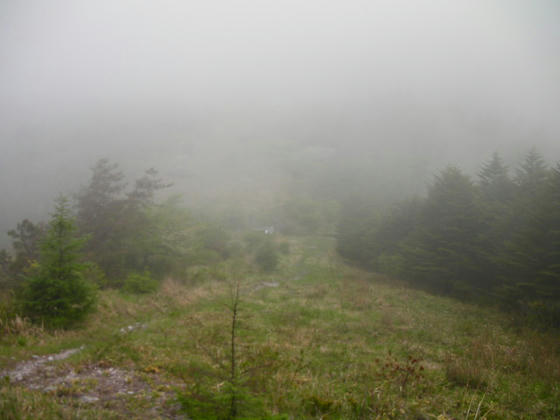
{"x": 101, "y": 208}
{"x": 548, "y": 278}
{"x": 497, "y": 193}
{"x": 494, "y": 180}
{"x": 523, "y": 249}
{"x": 57, "y": 293}
{"x": 443, "y": 251}
{"x": 532, "y": 174}
{"x": 25, "y": 243}
{"x": 124, "y": 238}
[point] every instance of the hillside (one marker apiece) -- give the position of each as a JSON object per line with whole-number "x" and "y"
{"x": 316, "y": 339}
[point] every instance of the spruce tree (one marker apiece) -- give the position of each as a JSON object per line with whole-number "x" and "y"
{"x": 101, "y": 215}
{"x": 532, "y": 174}
{"x": 443, "y": 251}
{"x": 124, "y": 237}
{"x": 494, "y": 180}
{"x": 57, "y": 294}
{"x": 496, "y": 195}
{"x": 548, "y": 279}
{"x": 522, "y": 257}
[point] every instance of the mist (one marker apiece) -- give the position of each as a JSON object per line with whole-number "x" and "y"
{"x": 253, "y": 97}
{"x": 280, "y": 209}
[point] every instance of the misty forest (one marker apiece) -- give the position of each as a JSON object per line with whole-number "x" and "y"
{"x": 280, "y": 210}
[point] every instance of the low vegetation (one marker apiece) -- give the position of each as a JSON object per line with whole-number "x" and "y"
{"x": 313, "y": 339}
{"x": 139, "y": 309}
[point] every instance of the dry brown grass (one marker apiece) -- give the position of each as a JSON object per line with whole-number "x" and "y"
{"x": 467, "y": 373}
{"x": 21, "y": 327}
{"x": 491, "y": 354}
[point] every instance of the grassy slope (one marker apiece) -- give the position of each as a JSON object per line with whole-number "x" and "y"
{"x": 326, "y": 341}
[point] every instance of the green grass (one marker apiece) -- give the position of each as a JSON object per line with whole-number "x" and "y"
{"x": 330, "y": 341}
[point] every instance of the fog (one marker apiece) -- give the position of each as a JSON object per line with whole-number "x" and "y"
{"x": 252, "y": 97}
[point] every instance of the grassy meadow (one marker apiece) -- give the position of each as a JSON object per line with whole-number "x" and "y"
{"x": 316, "y": 339}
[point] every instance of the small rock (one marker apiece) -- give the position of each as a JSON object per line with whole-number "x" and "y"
{"x": 50, "y": 358}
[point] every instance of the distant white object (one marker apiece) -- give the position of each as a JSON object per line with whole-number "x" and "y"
{"x": 269, "y": 230}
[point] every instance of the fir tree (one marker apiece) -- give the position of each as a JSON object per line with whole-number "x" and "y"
{"x": 532, "y": 174}
{"x": 549, "y": 275}
{"x": 57, "y": 293}
{"x": 443, "y": 251}
{"x": 494, "y": 180}
{"x": 522, "y": 257}
{"x": 101, "y": 215}
{"x": 497, "y": 192}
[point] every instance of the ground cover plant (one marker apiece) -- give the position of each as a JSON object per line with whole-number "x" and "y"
{"x": 314, "y": 339}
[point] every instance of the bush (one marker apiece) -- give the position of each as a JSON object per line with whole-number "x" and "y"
{"x": 266, "y": 257}
{"x": 284, "y": 248}
{"x": 140, "y": 283}
{"x": 253, "y": 240}
{"x": 95, "y": 275}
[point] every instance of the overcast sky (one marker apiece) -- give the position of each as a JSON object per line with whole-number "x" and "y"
{"x": 427, "y": 78}
{"x": 64, "y": 59}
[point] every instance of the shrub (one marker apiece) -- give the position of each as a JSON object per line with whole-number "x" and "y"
{"x": 140, "y": 283}
{"x": 95, "y": 275}
{"x": 284, "y": 248}
{"x": 253, "y": 240}
{"x": 266, "y": 257}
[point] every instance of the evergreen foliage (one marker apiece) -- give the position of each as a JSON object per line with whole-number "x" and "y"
{"x": 443, "y": 251}
{"x": 494, "y": 181}
{"x": 549, "y": 274}
{"x": 531, "y": 174}
{"x": 26, "y": 238}
{"x": 56, "y": 293}
{"x": 129, "y": 232}
{"x": 101, "y": 216}
{"x": 5, "y": 269}
{"x": 357, "y": 228}
{"x": 140, "y": 283}
{"x": 497, "y": 240}
{"x": 125, "y": 236}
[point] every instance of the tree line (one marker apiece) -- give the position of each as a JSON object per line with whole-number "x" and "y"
{"x": 493, "y": 239}
{"x": 108, "y": 235}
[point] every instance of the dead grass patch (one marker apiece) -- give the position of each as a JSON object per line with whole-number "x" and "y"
{"x": 21, "y": 327}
